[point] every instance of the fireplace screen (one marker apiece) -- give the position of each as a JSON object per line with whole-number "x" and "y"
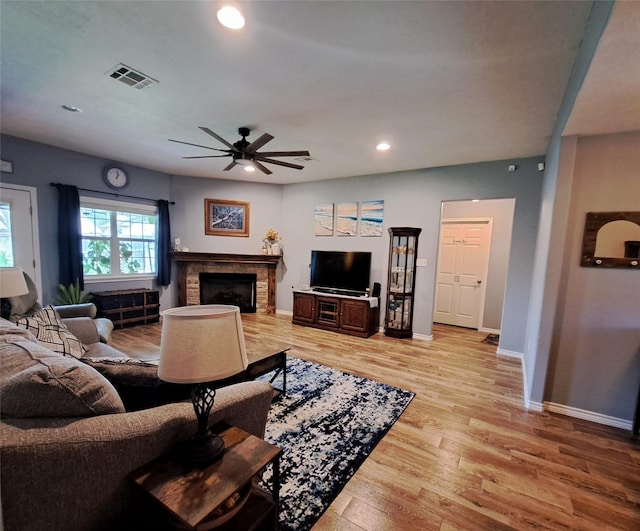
{"x": 237, "y": 289}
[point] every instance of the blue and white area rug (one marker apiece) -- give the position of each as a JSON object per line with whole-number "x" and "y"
{"x": 327, "y": 424}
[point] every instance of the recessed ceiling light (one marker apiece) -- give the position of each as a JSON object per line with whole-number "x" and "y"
{"x": 475, "y": 200}
{"x": 383, "y": 146}
{"x": 230, "y": 17}
{"x": 71, "y": 108}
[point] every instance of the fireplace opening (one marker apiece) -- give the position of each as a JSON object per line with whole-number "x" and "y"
{"x": 237, "y": 289}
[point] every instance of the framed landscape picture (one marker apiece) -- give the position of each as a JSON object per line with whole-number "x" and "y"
{"x": 226, "y": 218}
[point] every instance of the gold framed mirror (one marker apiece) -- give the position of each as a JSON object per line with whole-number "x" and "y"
{"x": 611, "y": 239}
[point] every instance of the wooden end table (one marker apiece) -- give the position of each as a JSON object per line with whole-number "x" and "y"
{"x": 191, "y": 496}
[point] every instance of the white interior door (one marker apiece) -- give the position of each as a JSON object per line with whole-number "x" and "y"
{"x": 461, "y": 276}
{"x": 19, "y": 229}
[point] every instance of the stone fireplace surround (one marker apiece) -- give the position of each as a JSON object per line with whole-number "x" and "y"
{"x": 190, "y": 265}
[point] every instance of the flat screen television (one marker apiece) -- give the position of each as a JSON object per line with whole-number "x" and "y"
{"x": 348, "y": 271}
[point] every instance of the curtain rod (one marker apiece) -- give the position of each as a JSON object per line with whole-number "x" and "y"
{"x": 114, "y": 194}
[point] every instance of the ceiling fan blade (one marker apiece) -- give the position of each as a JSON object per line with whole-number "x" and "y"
{"x": 258, "y": 143}
{"x": 284, "y": 154}
{"x": 208, "y": 156}
{"x": 197, "y": 145}
{"x": 218, "y": 138}
{"x": 281, "y": 163}
{"x": 262, "y": 168}
{"x": 233, "y": 163}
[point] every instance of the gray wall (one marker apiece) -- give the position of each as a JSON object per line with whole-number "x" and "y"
{"x": 411, "y": 198}
{"x": 189, "y": 193}
{"x": 39, "y": 165}
{"x": 595, "y": 353}
{"x": 414, "y": 198}
{"x": 541, "y": 320}
{"x": 535, "y": 319}
{"x": 501, "y": 210}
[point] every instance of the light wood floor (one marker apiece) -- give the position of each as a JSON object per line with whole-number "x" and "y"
{"x": 465, "y": 454}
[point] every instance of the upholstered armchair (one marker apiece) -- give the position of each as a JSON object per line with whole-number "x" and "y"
{"x": 79, "y": 318}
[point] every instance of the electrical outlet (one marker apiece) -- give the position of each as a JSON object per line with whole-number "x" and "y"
{"x": 421, "y": 262}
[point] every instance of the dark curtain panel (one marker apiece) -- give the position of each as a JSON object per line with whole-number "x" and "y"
{"x": 164, "y": 244}
{"x": 69, "y": 236}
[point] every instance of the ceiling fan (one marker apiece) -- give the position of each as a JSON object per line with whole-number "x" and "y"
{"x": 245, "y": 153}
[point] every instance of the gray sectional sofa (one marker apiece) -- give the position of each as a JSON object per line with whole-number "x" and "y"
{"x": 68, "y": 441}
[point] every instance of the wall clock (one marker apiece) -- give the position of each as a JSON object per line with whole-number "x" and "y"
{"x": 115, "y": 177}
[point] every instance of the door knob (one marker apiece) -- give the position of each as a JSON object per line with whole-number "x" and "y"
{"x": 479, "y": 281}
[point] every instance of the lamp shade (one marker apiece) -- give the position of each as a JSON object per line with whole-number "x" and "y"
{"x": 12, "y": 282}
{"x": 201, "y": 344}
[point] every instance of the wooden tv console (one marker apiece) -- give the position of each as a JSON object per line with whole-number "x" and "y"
{"x": 356, "y": 316}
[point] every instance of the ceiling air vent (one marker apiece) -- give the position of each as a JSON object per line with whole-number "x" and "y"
{"x": 131, "y": 77}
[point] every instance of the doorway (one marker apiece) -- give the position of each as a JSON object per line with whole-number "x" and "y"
{"x": 479, "y": 305}
{"x": 461, "y": 273}
{"x": 19, "y": 240}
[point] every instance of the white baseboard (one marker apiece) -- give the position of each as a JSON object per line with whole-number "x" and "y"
{"x": 422, "y": 337}
{"x": 552, "y": 407}
{"x": 591, "y": 416}
{"x": 511, "y": 354}
{"x": 535, "y": 406}
{"x": 525, "y": 391}
{"x": 489, "y": 330}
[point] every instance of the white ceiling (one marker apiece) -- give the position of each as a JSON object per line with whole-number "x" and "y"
{"x": 609, "y": 99}
{"x": 443, "y": 82}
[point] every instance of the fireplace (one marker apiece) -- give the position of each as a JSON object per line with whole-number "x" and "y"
{"x": 191, "y": 265}
{"x": 238, "y": 289}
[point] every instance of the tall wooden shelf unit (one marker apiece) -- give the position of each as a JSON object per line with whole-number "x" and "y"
{"x": 403, "y": 251}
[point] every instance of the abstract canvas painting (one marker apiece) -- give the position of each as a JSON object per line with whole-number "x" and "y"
{"x": 371, "y": 216}
{"x": 347, "y": 219}
{"x": 323, "y": 219}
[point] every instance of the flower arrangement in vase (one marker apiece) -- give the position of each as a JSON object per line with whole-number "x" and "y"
{"x": 271, "y": 243}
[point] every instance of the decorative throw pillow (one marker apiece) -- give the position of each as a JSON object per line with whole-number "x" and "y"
{"x": 36, "y": 382}
{"x": 51, "y": 332}
{"x": 126, "y": 371}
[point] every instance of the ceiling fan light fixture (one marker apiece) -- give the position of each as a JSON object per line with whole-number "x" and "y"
{"x": 246, "y": 154}
{"x": 243, "y": 159}
{"x": 230, "y": 17}
{"x": 250, "y": 168}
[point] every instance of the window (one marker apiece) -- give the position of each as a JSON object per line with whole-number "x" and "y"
{"x": 6, "y": 241}
{"x": 119, "y": 240}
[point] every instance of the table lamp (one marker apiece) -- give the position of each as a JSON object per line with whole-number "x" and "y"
{"x": 199, "y": 345}
{"x": 12, "y": 284}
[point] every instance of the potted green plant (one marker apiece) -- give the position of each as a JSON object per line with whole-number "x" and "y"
{"x": 72, "y": 294}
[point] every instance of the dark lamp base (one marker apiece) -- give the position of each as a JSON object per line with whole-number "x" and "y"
{"x": 202, "y": 450}
{"x": 5, "y": 308}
